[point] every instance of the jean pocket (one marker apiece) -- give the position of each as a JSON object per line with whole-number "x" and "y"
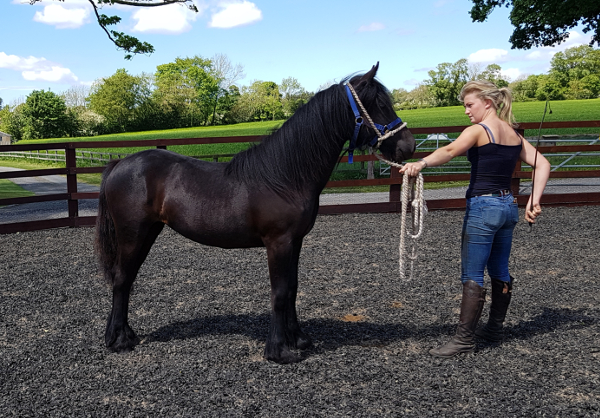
{"x": 492, "y": 216}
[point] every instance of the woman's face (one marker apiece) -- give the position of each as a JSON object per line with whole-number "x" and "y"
{"x": 475, "y": 108}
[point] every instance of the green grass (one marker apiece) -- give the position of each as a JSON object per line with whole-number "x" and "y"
{"x": 240, "y": 129}
{"x": 564, "y": 110}
{"x": 8, "y": 190}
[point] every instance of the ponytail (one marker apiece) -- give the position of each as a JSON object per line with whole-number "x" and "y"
{"x": 506, "y": 107}
{"x": 500, "y": 98}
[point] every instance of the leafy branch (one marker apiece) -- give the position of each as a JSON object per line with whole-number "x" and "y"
{"x": 543, "y": 22}
{"x": 130, "y": 44}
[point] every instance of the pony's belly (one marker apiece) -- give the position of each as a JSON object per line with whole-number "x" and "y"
{"x": 216, "y": 231}
{"x": 223, "y": 239}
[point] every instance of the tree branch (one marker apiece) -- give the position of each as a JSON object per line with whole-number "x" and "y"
{"x": 131, "y": 45}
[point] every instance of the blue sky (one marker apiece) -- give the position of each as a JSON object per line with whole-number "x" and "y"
{"x": 55, "y": 45}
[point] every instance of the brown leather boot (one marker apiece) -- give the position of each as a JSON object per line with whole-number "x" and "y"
{"x": 471, "y": 306}
{"x": 501, "y": 294}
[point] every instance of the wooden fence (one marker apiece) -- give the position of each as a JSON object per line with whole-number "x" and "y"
{"x": 72, "y": 196}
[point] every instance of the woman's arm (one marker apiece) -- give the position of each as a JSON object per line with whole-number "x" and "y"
{"x": 542, "y": 173}
{"x": 459, "y": 146}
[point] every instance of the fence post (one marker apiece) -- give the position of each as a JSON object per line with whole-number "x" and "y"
{"x": 395, "y": 189}
{"x": 71, "y": 164}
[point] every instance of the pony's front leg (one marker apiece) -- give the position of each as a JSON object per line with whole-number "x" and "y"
{"x": 284, "y": 330}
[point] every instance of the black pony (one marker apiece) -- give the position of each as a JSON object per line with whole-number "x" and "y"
{"x": 266, "y": 196}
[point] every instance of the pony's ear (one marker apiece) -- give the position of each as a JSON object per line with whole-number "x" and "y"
{"x": 368, "y": 77}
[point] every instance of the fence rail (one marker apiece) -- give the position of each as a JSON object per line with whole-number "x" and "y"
{"x": 71, "y": 170}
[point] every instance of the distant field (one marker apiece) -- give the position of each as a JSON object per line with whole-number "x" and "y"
{"x": 565, "y": 110}
{"x": 240, "y": 129}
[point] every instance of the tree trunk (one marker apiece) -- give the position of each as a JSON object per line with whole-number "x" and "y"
{"x": 215, "y": 111}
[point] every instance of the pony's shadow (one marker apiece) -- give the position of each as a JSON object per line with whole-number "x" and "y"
{"x": 331, "y": 334}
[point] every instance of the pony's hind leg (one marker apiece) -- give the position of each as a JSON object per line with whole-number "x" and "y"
{"x": 119, "y": 336}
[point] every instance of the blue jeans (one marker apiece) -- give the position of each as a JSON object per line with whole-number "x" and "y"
{"x": 487, "y": 237}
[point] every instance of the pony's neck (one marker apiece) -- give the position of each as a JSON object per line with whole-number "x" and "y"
{"x": 301, "y": 155}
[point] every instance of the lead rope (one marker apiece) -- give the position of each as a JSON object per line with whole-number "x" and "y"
{"x": 410, "y": 186}
{"x": 419, "y": 207}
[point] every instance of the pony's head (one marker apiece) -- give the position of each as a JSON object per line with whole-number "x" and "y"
{"x": 376, "y": 101}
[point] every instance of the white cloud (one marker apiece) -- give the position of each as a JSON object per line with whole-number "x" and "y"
{"x": 55, "y": 74}
{"x": 535, "y": 55}
{"x": 172, "y": 19}
{"x": 375, "y": 26}
{"x": 33, "y": 68}
{"x": 235, "y": 13}
{"x": 62, "y": 17}
{"x": 14, "y": 62}
{"x": 511, "y": 73}
{"x": 489, "y": 55}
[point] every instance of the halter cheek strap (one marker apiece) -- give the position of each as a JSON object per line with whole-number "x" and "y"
{"x": 358, "y": 120}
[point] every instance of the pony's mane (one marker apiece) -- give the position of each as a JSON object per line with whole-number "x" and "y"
{"x": 310, "y": 139}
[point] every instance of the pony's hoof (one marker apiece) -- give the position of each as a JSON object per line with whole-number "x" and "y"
{"x": 303, "y": 342}
{"x": 122, "y": 342}
{"x": 284, "y": 356}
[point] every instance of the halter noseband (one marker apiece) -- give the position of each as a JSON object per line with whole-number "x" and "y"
{"x": 383, "y": 132}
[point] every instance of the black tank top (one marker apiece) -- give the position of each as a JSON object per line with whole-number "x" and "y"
{"x": 492, "y": 166}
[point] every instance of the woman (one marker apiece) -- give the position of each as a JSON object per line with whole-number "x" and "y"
{"x": 493, "y": 147}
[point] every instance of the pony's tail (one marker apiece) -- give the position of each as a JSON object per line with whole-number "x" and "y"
{"x": 106, "y": 238}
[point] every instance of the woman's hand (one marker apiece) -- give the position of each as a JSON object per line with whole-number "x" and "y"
{"x": 532, "y": 212}
{"x": 413, "y": 169}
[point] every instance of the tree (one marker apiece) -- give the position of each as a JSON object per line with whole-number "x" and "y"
{"x": 293, "y": 96}
{"x": 11, "y": 121}
{"x": 116, "y": 98}
{"x": 399, "y": 97}
{"x": 226, "y": 75}
{"x": 189, "y": 85}
{"x": 260, "y": 101}
{"x": 227, "y": 102}
{"x": 576, "y": 71}
{"x": 270, "y": 100}
{"x": 549, "y": 88}
{"x": 575, "y": 63}
{"x": 45, "y": 116}
{"x": 76, "y": 96}
{"x": 418, "y": 98}
{"x": 128, "y": 43}
{"x": 447, "y": 80}
{"x": 543, "y": 22}
{"x": 524, "y": 88}
{"x": 493, "y": 73}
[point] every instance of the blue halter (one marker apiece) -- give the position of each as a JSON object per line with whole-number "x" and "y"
{"x": 358, "y": 123}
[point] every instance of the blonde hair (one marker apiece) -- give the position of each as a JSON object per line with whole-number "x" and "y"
{"x": 501, "y": 98}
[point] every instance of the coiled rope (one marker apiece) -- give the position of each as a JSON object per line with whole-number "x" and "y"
{"x": 412, "y": 191}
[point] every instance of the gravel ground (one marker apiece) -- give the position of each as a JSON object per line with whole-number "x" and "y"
{"x": 202, "y": 316}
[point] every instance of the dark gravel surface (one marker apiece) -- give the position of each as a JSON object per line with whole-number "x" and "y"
{"x": 202, "y": 316}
